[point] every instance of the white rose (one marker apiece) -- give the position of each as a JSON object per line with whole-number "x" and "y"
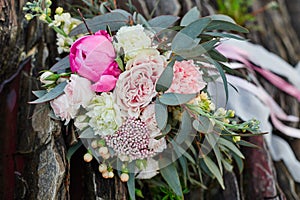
{"x": 131, "y": 39}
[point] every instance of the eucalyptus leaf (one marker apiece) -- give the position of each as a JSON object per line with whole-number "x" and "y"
{"x": 180, "y": 151}
{"x": 223, "y": 35}
{"x": 221, "y": 17}
{"x": 214, "y": 170}
{"x": 212, "y": 140}
{"x": 174, "y": 99}
{"x": 225, "y": 26}
{"x": 203, "y": 124}
{"x": 183, "y": 163}
{"x": 214, "y": 54}
{"x": 230, "y": 146}
{"x": 166, "y": 78}
{"x": 52, "y": 94}
{"x": 131, "y": 186}
{"x": 222, "y": 74}
{"x": 191, "y": 16}
{"x": 114, "y": 20}
{"x": 170, "y": 175}
{"x": 87, "y": 133}
{"x": 186, "y": 37}
{"x": 186, "y": 129}
{"x": 197, "y": 50}
{"x": 39, "y": 93}
{"x": 73, "y": 149}
{"x": 163, "y": 21}
{"x": 61, "y": 65}
{"x": 239, "y": 162}
{"x": 161, "y": 115}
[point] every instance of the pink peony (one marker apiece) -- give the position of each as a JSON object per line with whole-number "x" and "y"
{"x": 187, "y": 78}
{"x": 135, "y": 87}
{"x": 93, "y": 57}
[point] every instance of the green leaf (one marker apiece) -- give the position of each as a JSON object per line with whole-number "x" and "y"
{"x": 180, "y": 151}
{"x": 225, "y": 26}
{"x": 222, "y": 74}
{"x": 223, "y": 35}
{"x": 61, "y": 65}
{"x": 230, "y": 146}
{"x": 214, "y": 170}
{"x": 114, "y": 20}
{"x": 131, "y": 186}
{"x": 197, "y": 50}
{"x": 212, "y": 140}
{"x": 247, "y": 144}
{"x": 52, "y": 94}
{"x": 183, "y": 163}
{"x": 221, "y": 17}
{"x": 87, "y": 133}
{"x": 227, "y": 165}
{"x": 174, "y": 99}
{"x": 186, "y": 130}
{"x": 39, "y": 93}
{"x": 161, "y": 115}
{"x": 191, "y": 16}
{"x": 239, "y": 162}
{"x": 120, "y": 63}
{"x": 163, "y": 21}
{"x": 186, "y": 37}
{"x": 166, "y": 78}
{"x": 203, "y": 124}
{"x": 139, "y": 193}
{"x": 73, "y": 149}
{"x": 214, "y": 54}
{"x": 170, "y": 175}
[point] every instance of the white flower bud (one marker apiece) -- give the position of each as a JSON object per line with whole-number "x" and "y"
{"x": 44, "y": 76}
{"x": 59, "y": 10}
{"x": 94, "y": 144}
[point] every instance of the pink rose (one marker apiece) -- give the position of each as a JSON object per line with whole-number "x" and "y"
{"x": 63, "y": 109}
{"x": 93, "y": 57}
{"x": 148, "y": 116}
{"x": 77, "y": 93}
{"x": 187, "y": 78}
{"x": 135, "y": 87}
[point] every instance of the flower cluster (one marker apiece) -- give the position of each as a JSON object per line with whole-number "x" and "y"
{"x": 137, "y": 100}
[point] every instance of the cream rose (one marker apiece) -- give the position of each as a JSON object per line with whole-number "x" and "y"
{"x": 136, "y": 87}
{"x": 131, "y": 39}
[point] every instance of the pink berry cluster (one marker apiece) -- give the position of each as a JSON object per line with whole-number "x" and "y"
{"x": 131, "y": 139}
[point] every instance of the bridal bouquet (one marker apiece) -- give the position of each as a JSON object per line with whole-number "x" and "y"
{"x": 138, "y": 93}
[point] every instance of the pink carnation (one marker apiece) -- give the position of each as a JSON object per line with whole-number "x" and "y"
{"x": 187, "y": 78}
